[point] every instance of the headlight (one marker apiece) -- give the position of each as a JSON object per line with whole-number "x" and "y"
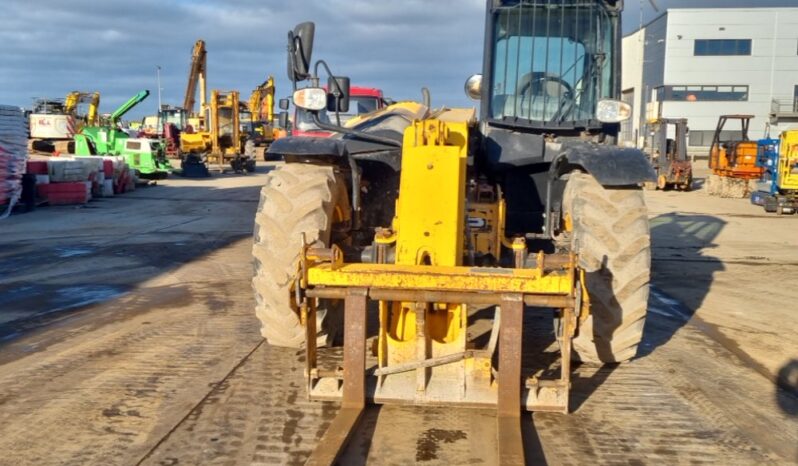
{"x": 473, "y": 87}
{"x": 311, "y": 98}
{"x": 613, "y": 111}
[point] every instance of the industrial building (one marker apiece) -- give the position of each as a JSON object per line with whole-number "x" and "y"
{"x": 700, "y": 63}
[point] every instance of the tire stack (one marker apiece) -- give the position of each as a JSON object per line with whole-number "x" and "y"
{"x": 13, "y": 154}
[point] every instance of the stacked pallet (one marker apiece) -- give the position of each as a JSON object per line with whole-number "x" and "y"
{"x": 13, "y": 154}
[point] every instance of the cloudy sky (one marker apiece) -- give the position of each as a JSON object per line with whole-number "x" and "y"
{"x": 50, "y": 47}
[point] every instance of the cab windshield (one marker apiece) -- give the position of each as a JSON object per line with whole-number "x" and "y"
{"x": 551, "y": 60}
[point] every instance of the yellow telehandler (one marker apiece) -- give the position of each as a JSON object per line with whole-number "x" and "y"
{"x": 417, "y": 217}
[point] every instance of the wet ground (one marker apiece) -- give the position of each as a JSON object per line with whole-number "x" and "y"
{"x": 127, "y": 337}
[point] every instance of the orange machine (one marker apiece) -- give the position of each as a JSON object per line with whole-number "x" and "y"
{"x": 733, "y": 155}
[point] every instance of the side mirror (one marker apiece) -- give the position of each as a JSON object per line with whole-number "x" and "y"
{"x": 339, "y": 92}
{"x": 387, "y": 102}
{"x": 284, "y": 104}
{"x": 300, "y": 50}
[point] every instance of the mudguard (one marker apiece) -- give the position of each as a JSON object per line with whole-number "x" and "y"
{"x": 333, "y": 150}
{"x": 308, "y": 146}
{"x": 610, "y": 165}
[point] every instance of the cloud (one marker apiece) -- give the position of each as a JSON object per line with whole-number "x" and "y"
{"x": 51, "y": 47}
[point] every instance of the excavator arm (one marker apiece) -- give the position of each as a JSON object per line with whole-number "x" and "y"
{"x": 196, "y": 76}
{"x": 75, "y": 98}
{"x": 127, "y": 106}
{"x": 261, "y": 101}
{"x": 93, "y": 117}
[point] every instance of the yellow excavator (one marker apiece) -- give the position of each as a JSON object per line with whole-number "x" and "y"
{"x": 75, "y": 98}
{"x": 213, "y": 137}
{"x": 260, "y": 129}
{"x": 192, "y": 137}
{"x": 54, "y": 123}
{"x": 426, "y": 220}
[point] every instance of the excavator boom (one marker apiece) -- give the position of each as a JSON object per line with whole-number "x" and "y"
{"x": 196, "y": 76}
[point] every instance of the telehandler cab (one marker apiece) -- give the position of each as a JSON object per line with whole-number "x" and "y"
{"x": 419, "y": 217}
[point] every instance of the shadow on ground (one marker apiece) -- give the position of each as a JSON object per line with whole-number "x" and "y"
{"x": 787, "y": 388}
{"x": 58, "y": 261}
{"x": 682, "y": 259}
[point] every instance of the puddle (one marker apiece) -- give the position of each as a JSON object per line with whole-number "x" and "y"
{"x": 71, "y": 252}
{"x": 70, "y": 297}
{"x": 669, "y": 307}
{"x": 40, "y": 299}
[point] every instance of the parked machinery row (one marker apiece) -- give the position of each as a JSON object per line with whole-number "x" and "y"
{"x": 765, "y": 170}
{"x": 74, "y": 126}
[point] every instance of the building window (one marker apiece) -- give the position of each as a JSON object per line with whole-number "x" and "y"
{"x": 702, "y": 93}
{"x": 723, "y": 47}
{"x": 704, "y": 138}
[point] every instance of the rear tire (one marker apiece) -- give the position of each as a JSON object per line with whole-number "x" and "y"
{"x": 611, "y": 235}
{"x": 771, "y": 204}
{"x": 296, "y": 199}
{"x": 688, "y": 185}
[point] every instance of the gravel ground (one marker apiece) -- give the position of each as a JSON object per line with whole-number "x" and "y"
{"x": 127, "y": 336}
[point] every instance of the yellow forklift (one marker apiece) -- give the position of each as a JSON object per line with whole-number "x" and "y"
{"x": 419, "y": 217}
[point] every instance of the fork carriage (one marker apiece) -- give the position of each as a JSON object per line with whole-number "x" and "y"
{"x": 425, "y": 363}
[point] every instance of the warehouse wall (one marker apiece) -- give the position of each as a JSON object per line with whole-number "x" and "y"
{"x": 632, "y": 85}
{"x": 771, "y": 71}
{"x": 669, "y": 59}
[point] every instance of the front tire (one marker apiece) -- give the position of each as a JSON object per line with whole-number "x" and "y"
{"x": 296, "y": 199}
{"x": 610, "y": 233}
{"x": 662, "y": 182}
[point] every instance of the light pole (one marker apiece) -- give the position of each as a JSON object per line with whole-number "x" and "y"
{"x": 158, "y": 77}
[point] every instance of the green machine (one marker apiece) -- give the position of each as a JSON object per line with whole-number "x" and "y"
{"x": 145, "y": 155}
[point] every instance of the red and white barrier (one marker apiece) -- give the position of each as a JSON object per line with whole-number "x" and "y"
{"x": 76, "y": 180}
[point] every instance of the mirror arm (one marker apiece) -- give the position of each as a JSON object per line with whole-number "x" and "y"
{"x": 357, "y": 134}
{"x": 338, "y": 91}
{"x": 337, "y": 106}
{"x": 329, "y": 73}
